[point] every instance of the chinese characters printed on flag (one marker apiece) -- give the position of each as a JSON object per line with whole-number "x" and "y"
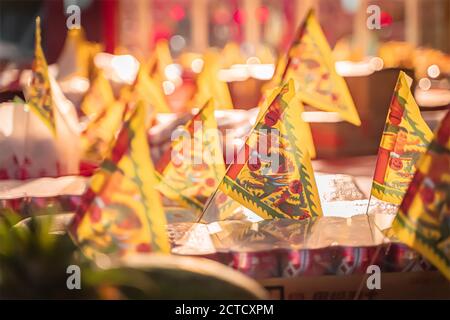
{"x": 310, "y": 64}
{"x": 39, "y": 96}
{"x": 423, "y": 220}
{"x": 405, "y": 138}
{"x": 192, "y": 168}
{"x": 121, "y": 213}
{"x": 272, "y": 175}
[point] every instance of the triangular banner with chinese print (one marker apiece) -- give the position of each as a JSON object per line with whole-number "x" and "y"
{"x": 121, "y": 212}
{"x": 39, "y": 95}
{"x": 423, "y": 220}
{"x": 99, "y": 97}
{"x": 193, "y": 167}
{"x": 304, "y": 128}
{"x": 311, "y": 65}
{"x": 405, "y": 138}
{"x": 272, "y": 175}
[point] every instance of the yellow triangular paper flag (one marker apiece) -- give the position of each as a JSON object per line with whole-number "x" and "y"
{"x": 405, "y": 138}
{"x": 121, "y": 213}
{"x": 423, "y": 219}
{"x": 272, "y": 175}
{"x": 39, "y": 95}
{"x": 311, "y": 65}
{"x": 99, "y": 97}
{"x": 210, "y": 86}
{"x": 192, "y": 168}
{"x": 150, "y": 91}
{"x": 98, "y": 135}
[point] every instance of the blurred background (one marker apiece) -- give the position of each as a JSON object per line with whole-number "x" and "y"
{"x": 413, "y": 36}
{"x": 195, "y": 25}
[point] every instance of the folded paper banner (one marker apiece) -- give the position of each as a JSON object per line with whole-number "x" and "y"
{"x": 210, "y": 86}
{"x": 311, "y": 65}
{"x": 150, "y": 91}
{"x": 304, "y": 129}
{"x": 231, "y": 54}
{"x": 162, "y": 59}
{"x": 272, "y": 175}
{"x": 191, "y": 169}
{"x": 99, "y": 97}
{"x": 405, "y": 138}
{"x": 34, "y": 142}
{"x": 121, "y": 213}
{"x": 39, "y": 96}
{"x": 77, "y": 56}
{"x": 96, "y": 139}
{"x": 423, "y": 220}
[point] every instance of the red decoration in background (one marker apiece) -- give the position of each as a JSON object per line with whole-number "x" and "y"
{"x": 221, "y": 16}
{"x": 109, "y": 11}
{"x": 239, "y": 16}
{"x": 386, "y": 19}
{"x": 263, "y": 14}
{"x": 161, "y": 32}
{"x": 177, "y": 12}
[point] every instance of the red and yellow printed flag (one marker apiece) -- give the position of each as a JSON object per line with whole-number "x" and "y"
{"x": 77, "y": 57}
{"x": 311, "y": 65}
{"x": 96, "y": 139}
{"x": 121, "y": 213}
{"x": 99, "y": 97}
{"x": 272, "y": 175}
{"x": 405, "y": 138}
{"x": 304, "y": 128}
{"x": 423, "y": 220}
{"x": 150, "y": 91}
{"x": 39, "y": 93}
{"x": 192, "y": 168}
{"x": 163, "y": 57}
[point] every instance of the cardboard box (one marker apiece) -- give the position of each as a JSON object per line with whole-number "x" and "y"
{"x": 395, "y": 285}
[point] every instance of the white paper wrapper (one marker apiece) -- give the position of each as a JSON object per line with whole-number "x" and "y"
{"x": 29, "y": 149}
{"x": 42, "y": 187}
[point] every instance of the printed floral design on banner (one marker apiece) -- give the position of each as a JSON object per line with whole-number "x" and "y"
{"x": 405, "y": 138}
{"x": 192, "y": 168}
{"x": 423, "y": 220}
{"x": 121, "y": 213}
{"x": 39, "y": 96}
{"x": 276, "y": 179}
{"x": 311, "y": 65}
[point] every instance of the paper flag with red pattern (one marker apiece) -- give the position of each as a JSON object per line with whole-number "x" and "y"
{"x": 121, "y": 213}
{"x": 311, "y": 65}
{"x": 405, "y": 138}
{"x": 423, "y": 220}
{"x": 192, "y": 168}
{"x": 39, "y": 95}
{"x": 272, "y": 174}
